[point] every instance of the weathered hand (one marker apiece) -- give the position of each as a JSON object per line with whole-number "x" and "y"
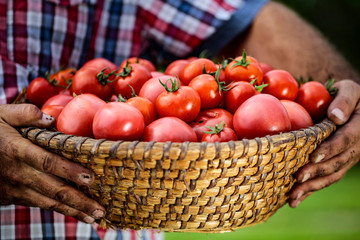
{"x": 334, "y": 157}
{"x": 32, "y": 176}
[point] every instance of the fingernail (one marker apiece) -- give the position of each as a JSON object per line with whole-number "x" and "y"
{"x": 89, "y": 219}
{"x": 98, "y": 213}
{"x": 306, "y": 177}
{"x": 319, "y": 158}
{"x": 299, "y": 195}
{"x": 47, "y": 118}
{"x": 85, "y": 178}
{"x": 296, "y": 204}
{"x": 338, "y": 114}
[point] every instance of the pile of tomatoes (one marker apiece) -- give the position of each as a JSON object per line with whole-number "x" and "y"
{"x": 192, "y": 100}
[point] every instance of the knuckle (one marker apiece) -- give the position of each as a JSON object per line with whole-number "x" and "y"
{"x": 48, "y": 163}
{"x": 62, "y": 195}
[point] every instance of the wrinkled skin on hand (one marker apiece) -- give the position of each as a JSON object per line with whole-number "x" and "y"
{"x": 335, "y": 156}
{"x": 32, "y": 176}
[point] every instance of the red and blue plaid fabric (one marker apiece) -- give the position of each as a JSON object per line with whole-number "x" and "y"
{"x": 37, "y": 36}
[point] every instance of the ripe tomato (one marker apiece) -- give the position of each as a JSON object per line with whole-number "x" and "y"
{"x": 53, "y": 110}
{"x": 63, "y": 78}
{"x": 261, "y": 115}
{"x": 134, "y": 75}
{"x": 175, "y": 68}
{"x": 58, "y": 99}
{"x": 152, "y": 87}
{"x": 40, "y": 90}
{"x": 239, "y": 92}
{"x": 145, "y": 106}
{"x": 315, "y": 98}
{"x": 91, "y": 80}
{"x": 100, "y": 64}
{"x": 211, "y": 117}
{"x": 144, "y": 62}
{"x": 118, "y": 121}
{"x": 195, "y": 68}
{"x": 209, "y": 90}
{"x": 298, "y": 115}
{"x": 156, "y": 74}
{"x": 219, "y": 133}
{"x": 244, "y": 68}
{"x": 77, "y": 116}
{"x": 281, "y": 84}
{"x": 179, "y": 101}
{"x": 169, "y": 129}
{"x": 265, "y": 67}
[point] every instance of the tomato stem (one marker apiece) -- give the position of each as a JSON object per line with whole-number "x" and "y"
{"x": 175, "y": 84}
{"x": 216, "y": 129}
{"x": 125, "y": 71}
{"x": 243, "y": 62}
{"x": 329, "y": 86}
{"x": 258, "y": 88}
{"x": 104, "y": 78}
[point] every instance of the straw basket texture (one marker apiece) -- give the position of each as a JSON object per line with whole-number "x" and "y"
{"x": 188, "y": 187}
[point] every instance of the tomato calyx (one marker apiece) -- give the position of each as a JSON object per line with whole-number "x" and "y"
{"x": 216, "y": 129}
{"x": 103, "y": 78}
{"x": 51, "y": 81}
{"x": 125, "y": 71}
{"x": 301, "y": 80}
{"x": 222, "y": 86}
{"x": 120, "y": 98}
{"x": 258, "y": 88}
{"x": 329, "y": 86}
{"x": 243, "y": 62}
{"x": 175, "y": 84}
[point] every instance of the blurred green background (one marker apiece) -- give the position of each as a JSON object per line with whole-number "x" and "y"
{"x": 334, "y": 212}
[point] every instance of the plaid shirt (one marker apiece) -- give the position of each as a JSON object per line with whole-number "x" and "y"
{"x": 39, "y": 36}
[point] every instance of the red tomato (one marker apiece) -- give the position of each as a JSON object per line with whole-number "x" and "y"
{"x": 156, "y": 74}
{"x": 100, "y": 64}
{"x": 53, "y": 110}
{"x": 261, "y": 115}
{"x": 180, "y": 101}
{"x": 219, "y": 133}
{"x": 281, "y": 84}
{"x": 118, "y": 121}
{"x": 144, "y": 62}
{"x": 195, "y": 68}
{"x": 176, "y": 67}
{"x": 134, "y": 75}
{"x": 63, "y": 78}
{"x": 244, "y": 68}
{"x": 77, "y": 116}
{"x": 145, "y": 106}
{"x": 91, "y": 80}
{"x": 209, "y": 90}
{"x": 265, "y": 67}
{"x": 169, "y": 129}
{"x": 315, "y": 98}
{"x": 210, "y": 118}
{"x": 40, "y": 90}
{"x": 58, "y": 99}
{"x": 239, "y": 92}
{"x": 152, "y": 87}
{"x": 298, "y": 115}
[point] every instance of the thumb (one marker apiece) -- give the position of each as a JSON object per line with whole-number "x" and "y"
{"x": 345, "y": 101}
{"x": 25, "y": 115}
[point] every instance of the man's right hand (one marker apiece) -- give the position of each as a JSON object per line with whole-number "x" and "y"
{"x": 32, "y": 176}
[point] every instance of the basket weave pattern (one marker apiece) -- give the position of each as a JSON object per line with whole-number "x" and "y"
{"x": 188, "y": 187}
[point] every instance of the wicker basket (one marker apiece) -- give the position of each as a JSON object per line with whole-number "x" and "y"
{"x": 188, "y": 187}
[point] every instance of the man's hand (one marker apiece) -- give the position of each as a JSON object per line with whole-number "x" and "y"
{"x": 334, "y": 157}
{"x": 32, "y": 176}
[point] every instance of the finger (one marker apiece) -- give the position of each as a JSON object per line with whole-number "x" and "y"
{"x": 346, "y": 136}
{"x": 25, "y": 115}
{"x": 28, "y": 197}
{"x": 45, "y": 161}
{"x": 316, "y": 184}
{"x": 63, "y": 193}
{"x": 335, "y": 164}
{"x": 295, "y": 203}
{"x": 345, "y": 101}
